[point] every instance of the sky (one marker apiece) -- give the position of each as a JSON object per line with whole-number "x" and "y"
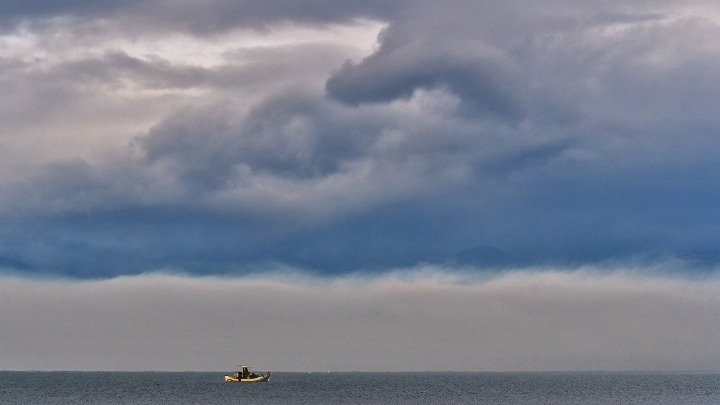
{"x": 406, "y": 185}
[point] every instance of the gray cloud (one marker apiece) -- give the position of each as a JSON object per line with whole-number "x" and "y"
{"x": 481, "y": 75}
{"x": 216, "y": 16}
{"x": 34, "y": 8}
{"x": 296, "y": 135}
{"x": 204, "y": 18}
{"x": 556, "y": 130}
{"x": 579, "y": 320}
{"x": 114, "y": 67}
{"x": 299, "y": 151}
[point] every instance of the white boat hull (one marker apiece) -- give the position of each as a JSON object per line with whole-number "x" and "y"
{"x": 265, "y": 377}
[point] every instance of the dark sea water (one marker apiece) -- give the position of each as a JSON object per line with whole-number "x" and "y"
{"x": 360, "y": 388}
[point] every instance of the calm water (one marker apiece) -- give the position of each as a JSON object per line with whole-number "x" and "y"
{"x": 360, "y": 388}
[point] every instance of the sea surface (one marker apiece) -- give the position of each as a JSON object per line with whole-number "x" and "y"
{"x": 35, "y": 387}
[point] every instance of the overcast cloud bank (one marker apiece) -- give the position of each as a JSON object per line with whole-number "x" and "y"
{"x": 344, "y": 136}
{"x": 416, "y": 319}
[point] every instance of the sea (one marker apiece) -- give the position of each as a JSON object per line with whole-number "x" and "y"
{"x": 69, "y": 387}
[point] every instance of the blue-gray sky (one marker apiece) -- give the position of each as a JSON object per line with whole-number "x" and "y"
{"x": 209, "y": 136}
{"x": 341, "y": 139}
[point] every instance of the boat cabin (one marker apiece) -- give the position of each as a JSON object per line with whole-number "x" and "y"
{"x": 244, "y": 372}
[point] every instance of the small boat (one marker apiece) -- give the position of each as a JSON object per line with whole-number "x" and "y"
{"x": 245, "y": 375}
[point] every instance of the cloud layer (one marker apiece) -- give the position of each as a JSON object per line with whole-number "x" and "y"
{"x": 420, "y": 319}
{"x": 217, "y": 135}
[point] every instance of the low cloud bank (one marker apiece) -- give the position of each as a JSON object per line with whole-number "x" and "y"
{"x": 424, "y": 319}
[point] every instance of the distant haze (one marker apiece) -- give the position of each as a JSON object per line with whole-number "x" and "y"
{"x": 417, "y": 319}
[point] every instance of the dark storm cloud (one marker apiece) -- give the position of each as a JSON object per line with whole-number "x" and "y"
{"x": 75, "y": 186}
{"x": 480, "y": 76}
{"x": 555, "y": 130}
